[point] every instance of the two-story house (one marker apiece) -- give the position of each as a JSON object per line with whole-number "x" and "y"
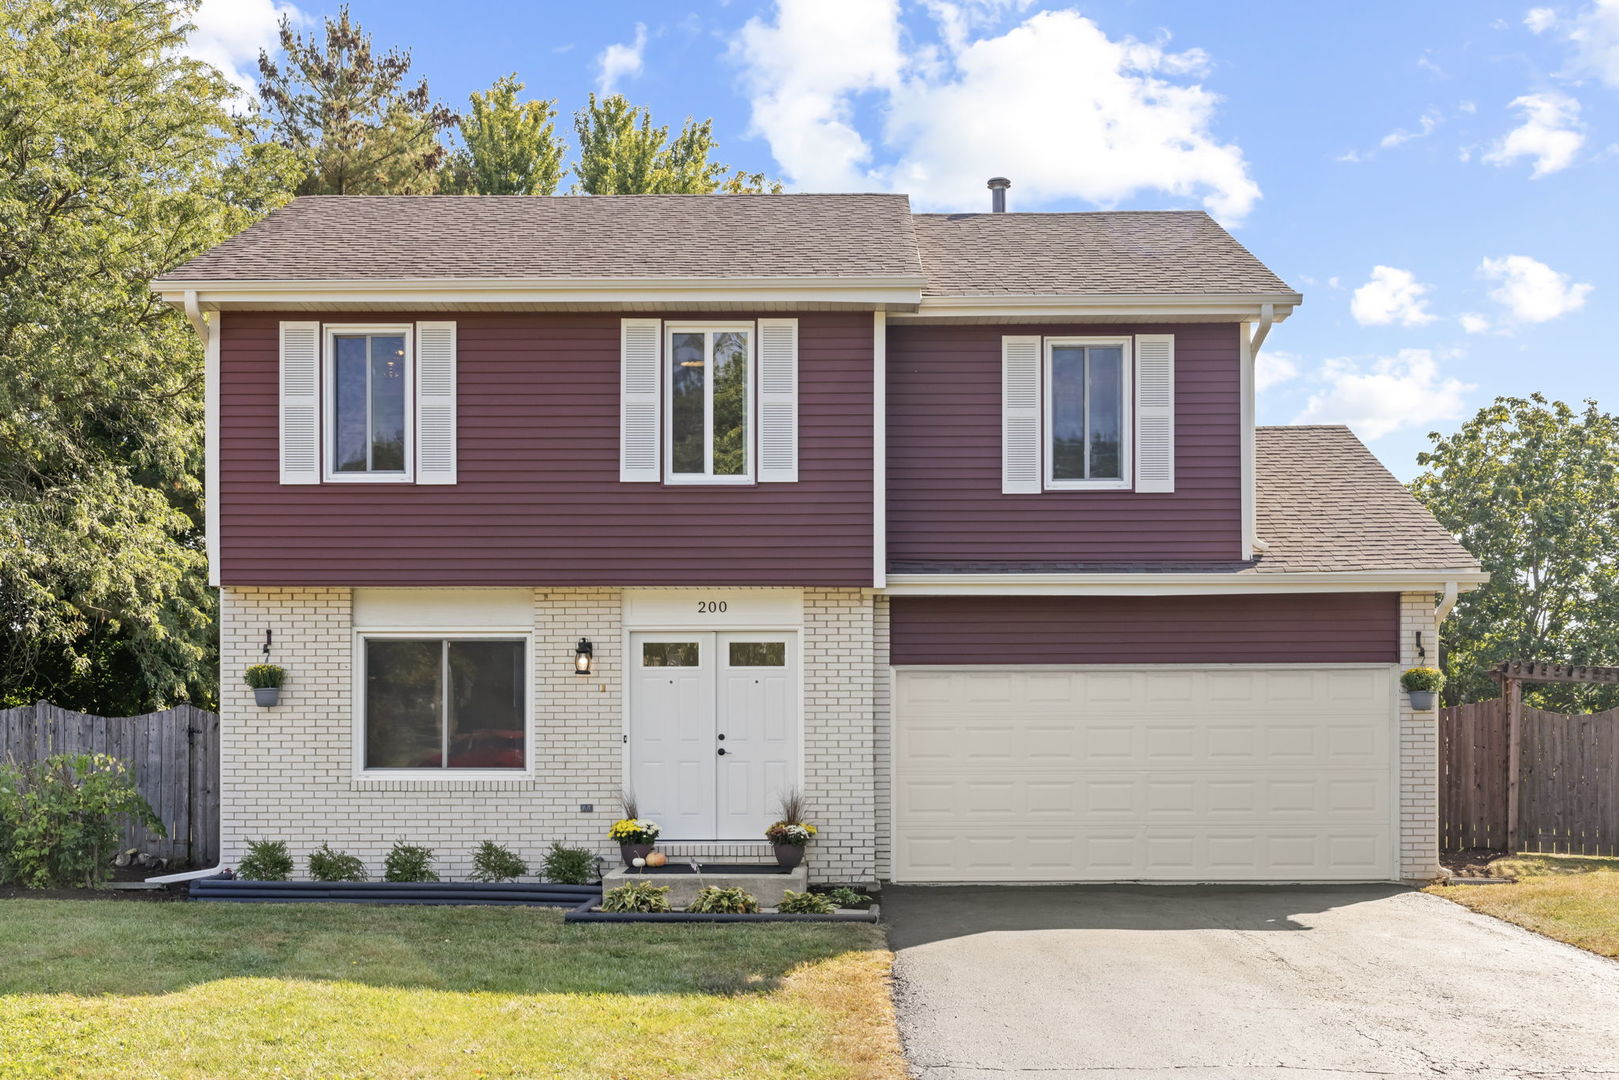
{"x": 959, "y": 523}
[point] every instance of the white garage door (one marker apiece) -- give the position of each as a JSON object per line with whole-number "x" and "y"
{"x": 1168, "y": 774}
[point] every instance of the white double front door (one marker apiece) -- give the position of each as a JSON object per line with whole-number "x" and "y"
{"x": 713, "y": 730}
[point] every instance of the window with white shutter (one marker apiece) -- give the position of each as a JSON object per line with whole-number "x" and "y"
{"x": 300, "y": 403}
{"x": 778, "y": 400}
{"x": 368, "y": 399}
{"x": 640, "y": 392}
{"x": 1020, "y": 415}
{"x": 1155, "y": 412}
{"x": 435, "y": 403}
{"x": 1086, "y": 416}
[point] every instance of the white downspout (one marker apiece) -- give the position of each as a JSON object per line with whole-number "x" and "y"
{"x": 1447, "y": 602}
{"x": 1249, "y": 345}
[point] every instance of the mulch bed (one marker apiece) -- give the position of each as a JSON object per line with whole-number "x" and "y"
{"x": 1471, "y": 862}
{"x": 132, "y": 873}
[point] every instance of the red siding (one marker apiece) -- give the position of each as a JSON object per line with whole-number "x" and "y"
{"x": 944, "y": 459}
{"x": 1301, "y": 628}
{"x": 538, "y": 500}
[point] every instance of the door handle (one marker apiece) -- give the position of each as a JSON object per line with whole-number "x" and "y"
{"x": 722, "y": 751}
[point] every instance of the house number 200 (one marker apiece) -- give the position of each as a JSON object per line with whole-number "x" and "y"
{"x": 710, "y": 607}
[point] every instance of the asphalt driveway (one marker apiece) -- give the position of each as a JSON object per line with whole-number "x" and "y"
{"x": 1198, "y": 983}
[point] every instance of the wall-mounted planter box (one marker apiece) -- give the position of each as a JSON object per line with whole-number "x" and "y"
{"x": 267, "y": 696}
{"x": 1422, "y": 700}
{"x": 513, "y": 893}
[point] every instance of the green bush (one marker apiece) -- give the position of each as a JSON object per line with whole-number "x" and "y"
{"x": 265, "y": 676}
{"x": 1423, "y": 678}
{"x": 713, "y": 900}
{"x": 61, "y": 818}
{"x": 843, "y": 896}
{"x": 805, "y": 903}
{"x": 328, "y": 865}
{"x": 569, "y": 865}
{"x": 407, "y": 862}
{"x": 637, "y": 896}
{"x": 493, "y": 863}
{"x": 266, "y": 860}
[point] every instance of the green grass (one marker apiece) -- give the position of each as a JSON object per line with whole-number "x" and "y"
{"x": 318, "y": 991}
{"x": 1573, "y": 898}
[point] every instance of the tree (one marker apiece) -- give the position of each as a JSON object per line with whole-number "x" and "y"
{"x": 1531, "y": 488}
{"x": 621, "y": 152}
{"x": 119, "y": 158}
{"x": 512, "y": 147}
{"x": 347, "y": 112}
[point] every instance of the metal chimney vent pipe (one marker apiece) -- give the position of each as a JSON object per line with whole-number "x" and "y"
{"x": 997, "y": 189}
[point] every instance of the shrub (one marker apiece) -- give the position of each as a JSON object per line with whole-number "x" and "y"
{"x": 1423, "y": 678}
{"x": 637, "y": 896}
{"x": 569, "y": 865}
{"x": 491, "y": 862}
{"x": 713, "y": 900}
{"x": 265, "y": 676}
{"x": 328, "y": 865}
{"x": 843, "y": 896}
{"x": 266, "y": 860}
{"x": 61, "y": 818}
{"x": 805, "y": 903}
{"x": 407, "y": 862}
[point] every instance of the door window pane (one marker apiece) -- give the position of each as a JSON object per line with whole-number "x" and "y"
{"x": 758, "y": 654}
{"x": 486, "y": 704}
{"x": 403, "y": 705}
{"x": 1087, "y": 412}
{"x": 349, "y": 405}
{"x": 387, "y": 404}
{"x": 730, "y": 404}
{"x": 688, "y": 367}
{"x": 669, "y": 654}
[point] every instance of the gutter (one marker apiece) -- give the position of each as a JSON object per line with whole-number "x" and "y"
{"x": 1447, "y": 603}
{"x": 194, "y": 315}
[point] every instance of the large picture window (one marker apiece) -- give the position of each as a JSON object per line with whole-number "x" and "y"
{"x": 368, "y": 415}
{"x": 445, "y": 703}
{"x": 709, "y": 387}
{"x": 1087, "y": 405}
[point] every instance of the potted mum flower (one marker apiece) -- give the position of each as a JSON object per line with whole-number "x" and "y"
{"x": 635, "y": 837}
{"x": 789, "y": 835}
{"x": 1422, "y": 684}
{"x": 266, "y": 680}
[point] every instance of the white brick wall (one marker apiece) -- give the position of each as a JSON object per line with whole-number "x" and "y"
{"x": 1419, "y": 746}
{"x": 287, "y": 773}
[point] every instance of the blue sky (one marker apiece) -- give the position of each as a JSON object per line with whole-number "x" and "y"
{"x": 1437, "y": 178}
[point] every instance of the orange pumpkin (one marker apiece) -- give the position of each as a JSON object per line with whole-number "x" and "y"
{"x": 657, "y": 858}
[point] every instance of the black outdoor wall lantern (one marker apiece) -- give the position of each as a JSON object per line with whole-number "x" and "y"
{"x": 581, "y": 657}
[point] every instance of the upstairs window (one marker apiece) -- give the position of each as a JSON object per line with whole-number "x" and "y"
{"x": 709, "y": 392}
{"x": 368, "y": 393}
{"x": 1087, "y": 413}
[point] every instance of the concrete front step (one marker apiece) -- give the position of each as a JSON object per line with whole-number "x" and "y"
{"x": 766, "y": 885}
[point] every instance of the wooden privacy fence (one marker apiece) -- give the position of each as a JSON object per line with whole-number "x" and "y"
{"x": 173, "y": 755}
{"x": 1567, "y": 780}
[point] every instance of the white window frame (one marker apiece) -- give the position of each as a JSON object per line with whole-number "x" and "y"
{"x": 666, "y": 392}
{"x": 1127, "y": 391}
{"x": 482, "y": 633}
{"x": 332, "y": 331}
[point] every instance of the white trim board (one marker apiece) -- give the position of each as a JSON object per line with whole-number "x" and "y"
{"x": 1126, "y": 584}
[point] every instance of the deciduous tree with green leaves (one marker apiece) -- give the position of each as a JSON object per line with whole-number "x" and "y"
{"x": 511, "y": 147}
{"x": 350, "y": 114}
{"x": 1531, "y": 488}
{"x": 621, "y": 152}
{"x": 119, "y": 158}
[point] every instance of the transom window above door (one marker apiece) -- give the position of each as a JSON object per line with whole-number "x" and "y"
{"x": 369, "y": 400}
{"x": 709, "y": 382}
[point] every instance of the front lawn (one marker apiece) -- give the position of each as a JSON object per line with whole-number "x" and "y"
{"x": 94, "y": 989}
{"x": 1572, "y": 898}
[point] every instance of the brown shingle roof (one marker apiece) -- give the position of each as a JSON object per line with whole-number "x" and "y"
{"x": 1325, "y": 505}
{"x": 433, "y": 237}
{"x": 1094, "y": 253}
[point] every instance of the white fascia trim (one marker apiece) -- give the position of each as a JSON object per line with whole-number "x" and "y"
{"x": 1238, "y": 306}
{"x": 900, "y": 291}
{"x": 1126, "y": 584}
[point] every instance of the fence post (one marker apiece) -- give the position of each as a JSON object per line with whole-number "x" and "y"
{"x": 1512, "y": 693}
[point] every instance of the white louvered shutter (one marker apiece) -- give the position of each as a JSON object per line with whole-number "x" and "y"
{"x": 435, "y": 403}
{"x": 300, "y": 403}
{"x": 1020, "y": 415}
{"x": 778, "y": 400}
{"x": 639, "y": 431}
{"x": 1155, "y": 412}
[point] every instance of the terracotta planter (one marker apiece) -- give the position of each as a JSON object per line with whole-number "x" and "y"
{"x": 789, "y": 855}
{"x": 1422, "y": 700}
{"x": 266, "y": 696}
{"x": 631, "y": 852}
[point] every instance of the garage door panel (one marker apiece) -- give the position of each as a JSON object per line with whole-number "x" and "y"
{"x": 1174, "y": 774}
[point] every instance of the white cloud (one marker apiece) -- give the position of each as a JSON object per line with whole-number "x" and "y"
{"x": 1550, "y": 133}
{"x": 229, "y": 34}
{"x": 1274, "y": 367}
{"x": 1474, "y": 323}
{"x": 1053, "y": 102}
{"x": 1400, "y": 391}
{"x": 1540, "y": 19}
{"x": 1532, "y": 291}
{"x": 619, "y": 61}
{"x": 1425, "y": 127}
{"x": 1594, "y": 35}
{"x": 1391, "y": 295}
